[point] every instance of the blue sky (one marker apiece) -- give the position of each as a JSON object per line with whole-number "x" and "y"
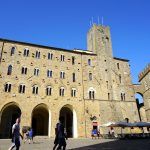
{"x": 64, "y": 23}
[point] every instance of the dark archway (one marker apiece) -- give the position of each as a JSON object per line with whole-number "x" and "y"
{"x": 40, "y": 120}
{"x": 67, "y": 114}
{"x": 8, "y": 117}
{"x": 139, "y": 102}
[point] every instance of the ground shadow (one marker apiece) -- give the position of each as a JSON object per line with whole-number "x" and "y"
{"x": 138, "y": 144}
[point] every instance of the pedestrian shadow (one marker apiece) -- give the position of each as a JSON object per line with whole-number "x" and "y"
{"x": 139, "y": 144}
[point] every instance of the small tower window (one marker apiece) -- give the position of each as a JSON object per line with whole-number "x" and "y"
{"x": 35, "y": 89}
{"x": 9, "y": 71}
{"x": 62, "y": 58}
{"x": 50, "y": 56}
{"x": 61, "y": 91}
{"x": 108, "y": 96}
{"x": 62, "y": 75}
{"x": 7, "y": 87}
{"x": 89, "y": 62}
{"x": 90, "y": 76}
{"x": 26, "y": 52}
{"x": 73, "y": 60}
{"x": 12, "y": 51}
{"x": 36, "y": 71}
{"x": 37, "y": 54}
{"x": 24, "y": 70}
{"x": 73, "y": 77}
{"x": 91, "y": 94}
{"x": 118, "y": 66}
{"x": 49, "y": 73}
{"x": 48, "y": 90}
{"x": 73, "y": 92}
{"x": 21, "y": 88}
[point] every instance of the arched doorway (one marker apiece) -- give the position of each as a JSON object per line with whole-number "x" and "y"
{"x": 140, "y": 103}
{"x": 40, "y": 120}
{"x": 9, "y": 115}
{"x": 70, "y": 120}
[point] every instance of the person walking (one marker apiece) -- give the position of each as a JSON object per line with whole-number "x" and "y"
{"x": 60, "y": 139}
{"x": 16, "y": 135}
{"x": 31, "y": 136}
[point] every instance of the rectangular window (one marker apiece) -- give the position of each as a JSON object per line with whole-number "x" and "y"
{"x": 89, "y": 62}
{"x": 118, "y": 66}
{"x": 50, "y": 56}
{"x": 49, "y": 73}
{"x": 73, "y": 60}
{"x": 62, "y": 75}
{"x": 62, "y": 58}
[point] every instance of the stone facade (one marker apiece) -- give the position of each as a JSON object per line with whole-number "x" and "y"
{"x": 96, "y": 87}
{"x": 144, "y": 88}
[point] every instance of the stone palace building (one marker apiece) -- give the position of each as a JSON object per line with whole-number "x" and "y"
{"x": 87, "y": 87}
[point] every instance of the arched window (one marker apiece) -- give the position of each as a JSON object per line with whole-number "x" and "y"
{"x": 24, "y": 70}
{"x": 123, "y": 96}
{"x": 61, "y": 91}
{"x": 35, "y": 89}
{"x": 91, "y": 93}
{"x": 126, "y": 119}
{"x": 48, "y": 90}
{"x": 73, "y": 92}
{"x": 49, "y": 73}
{"x": 9, "y": 72}
{"x": 37, "y": 55}
{"x": 36, "y": 71}
{"x": 62, "y": 58}
{"x": 89, "y": 62}
{"x": 73, "y": 77}
{"x": 21, "y": 88}
{"x": 7, "y": 87}
{"x": 26, "y": 52}
{"x": 50, "y": 56}
{"x": 12, "y": 51}
{"x": 62, "y": 75}
{"x": 90, "y": 76}
{"x": 73, "y": 60}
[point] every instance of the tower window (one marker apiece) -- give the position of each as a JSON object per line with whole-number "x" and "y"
{"x": 37, "y": 54}
{"x": 120, "y": 78}
{"x": 9, "y": 71}
{"x": 62, "y": 58}
{"x": 12, "y": 51}
{"x": 7, "y": 87}
{"x": 62, "y": 75}
{"x": 26, "y": 52}
{"x": 73, "y": 92}
{"x": 35, "y": 89}
{"x": 73, "y": 77}
{"x": 89, "y": 62}
{"x": 50, "y": 56}
{"x": 91, "y": 94}
{"x": 90, "y": 76}
{"x": 118, "y": 66}
{"x": 108, "y": 96}
{"x": 48, "y": 90}
{"x": 49, "y": 73}
{"x": 36, "y": 71}
{"x": 21, "y": 88}
{"x": 73, "y": 60}
{"x": 61, "y": 91}
{"x": 24, "y": 70}
{"x": 123, "y": 96}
